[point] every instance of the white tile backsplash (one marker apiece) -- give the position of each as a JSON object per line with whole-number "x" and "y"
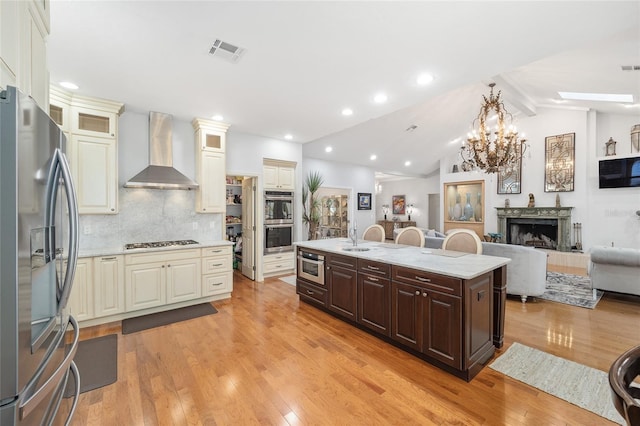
{"x": 150, "y": 215}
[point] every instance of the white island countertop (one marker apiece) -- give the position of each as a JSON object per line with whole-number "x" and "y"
{"x": 445, "y": 262}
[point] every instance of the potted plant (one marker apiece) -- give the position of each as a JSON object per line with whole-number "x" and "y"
{"x": 311, "y": 205}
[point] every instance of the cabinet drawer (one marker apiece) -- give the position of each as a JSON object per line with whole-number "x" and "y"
{"x": 161, "y": 256}
{"x": 217, "y": 283}
{"x": 284, "y": 265}
{"x": 216, "y": 251}
{"x": 348, "y": 262}
{"x": 373, "y": 268}
{"x": 216, "y": 264}
{"x": 312, "y": 293}
{"x": 427, "y": 280}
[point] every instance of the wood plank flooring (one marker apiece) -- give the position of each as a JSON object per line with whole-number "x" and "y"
{"x": 265, "y": 358}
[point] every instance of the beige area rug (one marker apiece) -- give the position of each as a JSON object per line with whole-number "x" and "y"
{"x": 289, "y": 279}
{"x": 578, "y": 384}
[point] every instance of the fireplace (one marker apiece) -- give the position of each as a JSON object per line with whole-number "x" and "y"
{"x": 545, "y": 227}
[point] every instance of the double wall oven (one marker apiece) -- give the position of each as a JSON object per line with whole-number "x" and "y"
{"x": 278, "y": 221}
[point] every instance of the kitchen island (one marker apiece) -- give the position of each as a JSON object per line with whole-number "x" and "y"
{"x": 442, "y": 306}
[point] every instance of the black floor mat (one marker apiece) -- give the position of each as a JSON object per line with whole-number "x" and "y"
{"x": 145, "y": 322}
{"x": 97, "y": 362}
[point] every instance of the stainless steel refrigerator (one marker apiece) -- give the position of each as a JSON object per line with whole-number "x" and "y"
{"x": 39, "y": 249}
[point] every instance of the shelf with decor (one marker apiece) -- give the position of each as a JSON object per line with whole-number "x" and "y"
{"x": 464, "y": 206}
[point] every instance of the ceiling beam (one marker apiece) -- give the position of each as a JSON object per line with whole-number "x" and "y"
{"x": 515, "y": 96}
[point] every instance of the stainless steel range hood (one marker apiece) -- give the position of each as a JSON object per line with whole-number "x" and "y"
{"x": 160, "y": 173}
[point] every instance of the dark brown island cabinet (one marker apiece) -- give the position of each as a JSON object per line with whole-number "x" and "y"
{"x": 446, "y": 321}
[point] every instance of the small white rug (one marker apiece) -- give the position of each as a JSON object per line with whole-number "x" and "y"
{"x": 289, "y": 279}
{"x": 578, "y": 384}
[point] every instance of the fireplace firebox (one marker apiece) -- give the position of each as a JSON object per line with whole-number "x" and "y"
{"x": 543, "y": 227}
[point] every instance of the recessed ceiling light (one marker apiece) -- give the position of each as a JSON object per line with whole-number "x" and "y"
{"x": 288, "y": 137}
{"x": 328, "y": 149}
{"x": 69, "y": 85}
{"x": 373, "y": 157}
{"x": 380, "y": 98}
{"x": 217, "y": 117}
{"x": 605, "y": 97}
{"x": 347, "y": 111}
{"x": 424, "y": 79}
{"x": 407, "y": 163}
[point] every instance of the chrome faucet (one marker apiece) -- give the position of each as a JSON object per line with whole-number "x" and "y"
{"x": 353, "y": 234}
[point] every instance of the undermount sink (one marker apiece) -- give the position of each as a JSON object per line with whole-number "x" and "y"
{"x": 356, "y": 248}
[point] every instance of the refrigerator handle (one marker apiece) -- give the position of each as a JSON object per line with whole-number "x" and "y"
{"x": 36, "y": 398}
{"x": 72, "y": 207}
{"x": 76, "y": 395}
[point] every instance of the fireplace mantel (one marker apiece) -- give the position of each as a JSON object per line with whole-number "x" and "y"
{"x": 562, "y": 214}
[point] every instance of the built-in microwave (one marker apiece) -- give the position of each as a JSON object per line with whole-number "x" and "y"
{"x": 311, "y": 266}
{"x": 278, "y": 238}
{"x": 278, "y": 207}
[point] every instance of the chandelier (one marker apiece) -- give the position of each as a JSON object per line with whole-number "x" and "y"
{"x": 493, "y": 149}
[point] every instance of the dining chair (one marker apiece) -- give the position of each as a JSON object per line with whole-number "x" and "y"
{"x": 463, "y": 240}
{"x": 626, "y": 398}
{"x": 374, "y": 233}
{"x": 411, "y": 236}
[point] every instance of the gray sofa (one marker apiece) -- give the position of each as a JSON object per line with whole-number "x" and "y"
{"x": 615, "y": 269}
{"x": 527, "y": 271}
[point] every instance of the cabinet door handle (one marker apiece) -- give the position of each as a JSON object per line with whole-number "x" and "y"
{"x": 424, "y": 294}
{"x": 109, "y": 258}
{"x": 309, "y": 292}
{"x": 169, "y": 266}
{"x": 163, "y": 266}
{"x": 417, "y": 292}
{"x": 480, "y": 295}
{"x": 373, "y": 268}
{"x": 216, "y": 251}
{"x": 375, "y": 280}
{"x": 424, "y": 280}
{"x": 217, "y": 264}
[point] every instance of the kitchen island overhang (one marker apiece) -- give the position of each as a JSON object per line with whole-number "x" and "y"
{"x": 442, "y": 306}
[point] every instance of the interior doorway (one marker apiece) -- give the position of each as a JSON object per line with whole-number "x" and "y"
{"x": 434, "y": 212}
{"x": 240, "y": 222}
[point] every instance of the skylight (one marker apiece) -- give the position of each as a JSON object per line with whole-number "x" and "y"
{"x": 605, "y": 97}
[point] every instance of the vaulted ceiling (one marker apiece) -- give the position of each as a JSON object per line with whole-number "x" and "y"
{"x": 306, "y": 61}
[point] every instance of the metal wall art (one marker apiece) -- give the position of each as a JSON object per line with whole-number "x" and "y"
{"x": 559, "y": 163}
{"x": 509, "y": 177}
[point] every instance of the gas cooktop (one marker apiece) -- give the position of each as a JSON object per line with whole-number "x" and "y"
{"x": 156, "y": 244}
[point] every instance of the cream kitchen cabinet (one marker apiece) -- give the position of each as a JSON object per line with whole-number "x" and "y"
{"x": 108, "y": 285}
{"x": 278, "y": 177}
{"x": 211, "y": 196}
{"x": 217, "y": 270}
{"x": 91, "y": 127}
{"x": 210, "y": 138}
{"x": 24, "y": 27}
{"x": 276, "y": 264}
{"x": 159, "y": 278}
{"x": 95, "y": 171}
{"x": 81, "y": 298}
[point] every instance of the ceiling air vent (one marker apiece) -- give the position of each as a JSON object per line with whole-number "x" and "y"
{"x": 227, "y": 51}
{"x": 630, "y": 67}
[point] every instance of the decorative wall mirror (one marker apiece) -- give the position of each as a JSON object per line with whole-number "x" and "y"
{"x": 559, "y": 163}
{"x": 509, "y": 178}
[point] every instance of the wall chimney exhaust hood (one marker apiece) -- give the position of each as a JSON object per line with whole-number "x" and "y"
{"x": 160, "y": 173}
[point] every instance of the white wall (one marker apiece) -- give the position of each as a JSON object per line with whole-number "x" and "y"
{"x": 416, "y": 192}
{"x": 350, "y": 177}
{"x": 606, "y": 215}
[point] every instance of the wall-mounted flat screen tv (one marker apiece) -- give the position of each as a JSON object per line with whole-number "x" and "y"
{"x": 620, "y": 172}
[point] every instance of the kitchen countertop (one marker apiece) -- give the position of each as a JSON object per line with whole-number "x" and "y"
{"x": 112, "y": 251}
{"x": 445, "y": 262}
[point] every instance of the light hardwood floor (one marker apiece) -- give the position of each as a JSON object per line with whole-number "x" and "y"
{"x": 265, "y": 358}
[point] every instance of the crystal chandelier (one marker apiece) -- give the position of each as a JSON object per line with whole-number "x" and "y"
{"x": 493, "y": 150}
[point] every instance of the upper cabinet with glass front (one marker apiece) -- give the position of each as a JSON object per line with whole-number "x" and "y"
{"x": 91, "y": 128}
{"x": 211, "y": 135}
